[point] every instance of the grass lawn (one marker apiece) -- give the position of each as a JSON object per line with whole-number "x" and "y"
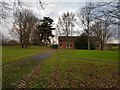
{"x": 12, "y": 72}
{"x": 91, "y": 54}
{"x": 63, "y": 70}
{"x": 14, "y": 53}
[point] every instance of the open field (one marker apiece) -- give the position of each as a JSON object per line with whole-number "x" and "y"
{"x": 14, "y": 53}
{"x": 20, "y": 66}
{"x": 64, "y": 69}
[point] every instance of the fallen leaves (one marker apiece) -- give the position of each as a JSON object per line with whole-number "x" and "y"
{"x": 30, "y": 78}
{"x": 72, "y": 75}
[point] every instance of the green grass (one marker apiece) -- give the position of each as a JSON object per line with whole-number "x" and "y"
{"x": 12, "y": 72}
{"x": 64, "y": 69}
{"x": 92, "y": 54}
{"x": 14, "y": 53}
{"x": 60, "y": 71}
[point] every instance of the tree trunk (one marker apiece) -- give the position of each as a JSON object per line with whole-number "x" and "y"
{"x": 67, "y": 41}
{"x": 22, "y": 45}
{"x": 88, "y": 42}
{"x": 102, "y": 45}
{"x": 88, "y": 38}
{"x": 21, "y": 35}
{"x": 21, "y": 41}
{"x": 88, "y": 28}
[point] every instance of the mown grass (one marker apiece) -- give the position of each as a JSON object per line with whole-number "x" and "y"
{"x": 62, "y": 71}
{"x": 14, "y": 53}
{"x": 12, "y": 72}
{"x": 92, "y": 54}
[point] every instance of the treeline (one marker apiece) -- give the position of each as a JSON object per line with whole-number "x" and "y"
{"x": 27, "y": 28}
{"x": 31, "y": 30}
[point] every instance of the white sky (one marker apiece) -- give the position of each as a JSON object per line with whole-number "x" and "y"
{"x": 61, "y": 0}
{"x": 53, "y": 9}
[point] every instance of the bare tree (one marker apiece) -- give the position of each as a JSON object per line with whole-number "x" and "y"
{"x": 114, "y": 10}
{"x": 86, "y": 17}
{"x": 114, "y": 13}
{"x": 4, "y": 9}
{"x": 102, "y": 30}
{"x": 7, "y": 7}
{"x": 24, "y": 21}
{"x": 87, "y": 14}
{"x": 105, "y": 18}
{"x": 65, "y": 25}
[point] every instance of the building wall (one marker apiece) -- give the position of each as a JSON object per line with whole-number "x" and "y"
{"x": 63, "y": 42}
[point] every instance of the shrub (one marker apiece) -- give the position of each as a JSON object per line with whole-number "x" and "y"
{"x": 82, "y": 43}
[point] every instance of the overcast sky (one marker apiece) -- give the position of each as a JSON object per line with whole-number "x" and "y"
{"x": 53, "y": 9}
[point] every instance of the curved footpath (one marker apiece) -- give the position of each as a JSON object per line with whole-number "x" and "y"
{"x": 14, "y": 71}
{"x": 31, "y": 58}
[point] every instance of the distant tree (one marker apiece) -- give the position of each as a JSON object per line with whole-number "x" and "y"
{"x": 35, "y": 36}
{"x": 24, "y": 22}
{"x": 102, "y": 23}
{"x": 101, "y": 30}
{"x": 86, "y": 17}
{"x": 45, "y": 30}
{"x": 65, "y": 25}
{"x": 88, "y": 13}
